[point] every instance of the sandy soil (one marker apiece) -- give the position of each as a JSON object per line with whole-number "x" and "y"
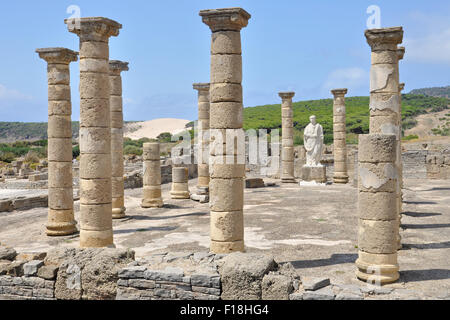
{"x": 426, "y": 122}
{"x": 151, "y": 129}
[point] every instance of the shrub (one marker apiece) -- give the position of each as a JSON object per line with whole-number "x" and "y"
{"x": 75, "y": 151}
{"x": 129, "y": 149}
{"x": 31, "y": 157}
{"x": 7, "y": 157}
{"x": 410, "y": 137}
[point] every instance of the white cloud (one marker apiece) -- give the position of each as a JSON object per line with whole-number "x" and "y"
{"x": 350, "y": 78}
{"x": 432, "y": 48}
{"x": 11, "y": 94}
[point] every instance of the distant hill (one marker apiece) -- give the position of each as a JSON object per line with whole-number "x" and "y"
{"x": 269, "y": 117}
{"x": 443, "y": 92}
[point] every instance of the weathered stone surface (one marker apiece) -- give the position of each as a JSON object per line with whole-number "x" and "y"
{"x": 313, "y": 284}
{"x": 242, "y": 275}
{"x": 132, "y": 272}
{"x": 7, "y": 253}
{"x": 321, "y": 294}
{"x": 31, "y": 268}
{"x": 276, "y": 287}
{"x": 91, "y": 274}
{"x": 254, "y": 183}
{"x": 48, "y": 272}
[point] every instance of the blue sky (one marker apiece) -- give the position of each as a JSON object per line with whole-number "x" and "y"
{"x": 309, "y": 47}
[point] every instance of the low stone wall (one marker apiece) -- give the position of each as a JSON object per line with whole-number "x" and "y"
{"x": 23, "y": 203}
{"x": 114, "y": 274}
{"x": 133, "y": 179}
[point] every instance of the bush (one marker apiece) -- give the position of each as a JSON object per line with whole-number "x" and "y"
{"x": 31, "y": 157}
{"x": 410, "y": 137}
{"x": 7, "y": 157}
{"x": 164, "y": 137}
{"x": 75, "y": 152}
{"x": 129, "y": 149}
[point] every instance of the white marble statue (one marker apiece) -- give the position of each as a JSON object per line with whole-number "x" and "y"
{"x": 313, "y": 136}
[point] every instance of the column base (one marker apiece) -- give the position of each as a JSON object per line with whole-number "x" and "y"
{"x": 180, "y": 195}
{"x": 340, "y": 179}
{"x": 152, "y": 203}
{"x": 96, "y": 239}
{"x": 288, "y": 180}
{"x": 118, "y": 213}
{"x": 219, "y": 247}
{"x": 202, "y": 190}
{"x": 377, "y": 268}
{"x": 61, "y": 229}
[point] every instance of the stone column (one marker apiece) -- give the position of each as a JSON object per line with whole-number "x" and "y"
{"x": 400, "y": 55}
{"x": 180, "y": 180}
{"x": 287, "y": 139}
{"x": 226, "y": 172}
{"x": 152, "y": 176}
{"x": 339, "y": 137}
{"x": 95, "y": 130}
{"x": 203, "y": 138}
{"x": 61, "y": 219}
{"x": 378, "y": 217}
{"x": 384, "y": 90}
{"x": 115, "y": 102}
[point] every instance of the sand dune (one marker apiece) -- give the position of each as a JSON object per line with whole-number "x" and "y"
{"x": 151, "y": 129}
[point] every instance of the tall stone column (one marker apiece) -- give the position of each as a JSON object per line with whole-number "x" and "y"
{"x": 116, "y": 113}
{"x": 400, "y": 55}
{"x": 61, "y": 219}
{"x": 384, "y": 92}
{"x": 95, "y": 129}
{"x": 378, "y": 217}
{"x": 152, "y": 176}
{"x": 227, "y": 172}
{"x": 339, "y": 136}
{"x": 203, "y": 138}
{"x": 287, "y": 139}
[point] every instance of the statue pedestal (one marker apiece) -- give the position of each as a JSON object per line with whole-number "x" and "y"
{"x": 317, "y": 174}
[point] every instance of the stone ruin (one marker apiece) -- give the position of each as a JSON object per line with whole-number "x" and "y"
{"x": 225, "y": 272}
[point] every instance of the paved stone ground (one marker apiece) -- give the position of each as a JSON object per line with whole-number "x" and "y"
{"x": 314, "y": 228}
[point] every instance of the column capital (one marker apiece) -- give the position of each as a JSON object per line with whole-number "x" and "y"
{"x": 227, "y": 19}
{"x": 117, "y": 66}
{"x": 339, "y": 92}
{"x": 385, "y": 38}
{"x": 401, "y": 86}
{"x": 286, "y": 94}
{"x": 93, "y": 28}
{"x": 57, "y": 55}
{"x": 201, "y": 86}
{"x": 400, "y": 52}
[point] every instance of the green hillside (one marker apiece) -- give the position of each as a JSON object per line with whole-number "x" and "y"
{"x": 357, "y": 108}
{"x": 434, "y": 91}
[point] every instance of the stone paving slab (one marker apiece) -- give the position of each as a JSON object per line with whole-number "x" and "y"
{"x": 314, "y": 228}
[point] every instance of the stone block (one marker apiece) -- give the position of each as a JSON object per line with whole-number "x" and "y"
{"x": 317, "y": 174}
{"x": 31, "y": 268}
{"x": 313, "y": 284}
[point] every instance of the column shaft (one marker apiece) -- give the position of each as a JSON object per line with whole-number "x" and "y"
{"x": 95, "y": 130}
{"x": 287, "y": 139}
{"x": 385, "y": 115}
{"x": 152, "y": 176}
{"x": 227, "y": 166}
{"x": 116, "y": 114}
{"x": 180, "y": 186}
{"x": 203, "y": 138}
{"x": 378, "y": 218}
{"x": 61, "y": 219}
{"x": 339, "y": 137}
